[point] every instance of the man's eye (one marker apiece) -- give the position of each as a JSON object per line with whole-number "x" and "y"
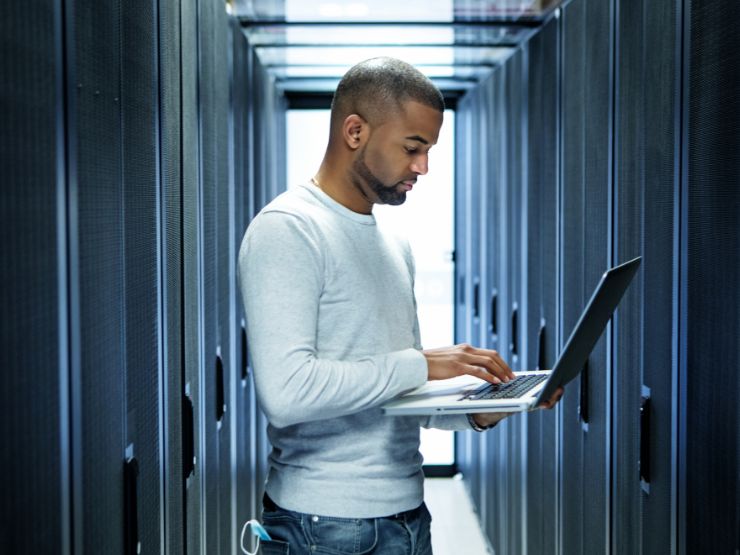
{"x": 410, "y": 150}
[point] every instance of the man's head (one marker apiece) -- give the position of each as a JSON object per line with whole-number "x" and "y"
{"x": 377, "y": 89}
{"x": 386, "y": 115}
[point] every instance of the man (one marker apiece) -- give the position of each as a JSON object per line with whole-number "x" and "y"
{"x": 333, "y": 332}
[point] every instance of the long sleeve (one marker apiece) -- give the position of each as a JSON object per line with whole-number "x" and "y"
{"x": 282, "y": 270}
{"x": 333, "y": 334}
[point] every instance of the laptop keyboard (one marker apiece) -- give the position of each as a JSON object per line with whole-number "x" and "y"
{"x": 511, "y": 390}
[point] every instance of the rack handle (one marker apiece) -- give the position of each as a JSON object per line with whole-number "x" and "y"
{"x": 188, "y": 436}
{"x": 493, "y": 326}
{"x": 583, "y": 405}
{"x": 541, "y": 362}
{"x": 644, "y": 463}
{"x": 132, "y": 543}
{"x": 514, "y": 345}
{"x": 245, "y": 357}
{"x": 476, "y": 299}
{"x": 220, "y": 398}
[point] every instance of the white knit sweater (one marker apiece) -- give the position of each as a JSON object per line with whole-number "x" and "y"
{"x": 333, "y": 333}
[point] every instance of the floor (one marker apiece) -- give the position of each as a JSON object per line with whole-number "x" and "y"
{"x": 455, "y": 527}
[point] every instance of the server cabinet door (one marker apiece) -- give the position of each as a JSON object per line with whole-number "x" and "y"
{"x": 473, "y": 246}
{"x": 466, "y": 451}
{"x": 463, "y": 440}
{"x": 710, "y": 424}
{"x": 114, "y": 258}
{"x": 482, "y": 203}
{"x": 242, "y": 491}
{"x": 213, "y": 110}
{"x": 644, "y": 362}
{"x": 141, "y": 189}
{"x": 541, "y": 468}
{"x": 269, "y": 180}
{"x": 584, "y": 257}
{"x": 225, "y": 275}
{"x": 98, "y": 308}
{"x": 34, "y": 359}
{"x": 170, "y": 119}
{"x": 512, "y": 257}
{"x": 193, "y": 388}
{"x": 494, "y": 474}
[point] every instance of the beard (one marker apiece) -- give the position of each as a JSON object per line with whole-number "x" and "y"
{"x": 387, "y": 194}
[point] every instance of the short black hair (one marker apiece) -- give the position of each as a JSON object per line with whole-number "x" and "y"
{"x": 378, "y": 87}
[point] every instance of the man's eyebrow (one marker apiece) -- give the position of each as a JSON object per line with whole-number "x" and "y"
{"x": 418, "y": 138}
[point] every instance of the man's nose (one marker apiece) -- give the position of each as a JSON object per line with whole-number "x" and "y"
{"x": 420, "y": 164}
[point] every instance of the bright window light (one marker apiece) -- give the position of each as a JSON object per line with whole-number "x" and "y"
{"x": 377, "y": 10}
{"x": 368, "y": 34}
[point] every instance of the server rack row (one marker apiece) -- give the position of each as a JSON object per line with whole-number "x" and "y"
{"x": 139, "y": 139}
{"x": 130, "y": 171}
{"x": 610, "y": 134}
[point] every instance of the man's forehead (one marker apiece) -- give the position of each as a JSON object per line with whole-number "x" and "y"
{"x": 420, "y": 122}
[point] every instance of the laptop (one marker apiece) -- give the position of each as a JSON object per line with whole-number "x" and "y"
{"x": 468, "y": 394}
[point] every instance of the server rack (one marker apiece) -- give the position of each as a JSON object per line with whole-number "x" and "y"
{"x": 468, "y": 286}
{"x": 541, "y": 282}
{"x": 646, "y": 177}
{"x": 709, "y": 426}
{"x": 33, "y": 283}
{"x": 171, "y": 248}
{"x": 193, "y": 387}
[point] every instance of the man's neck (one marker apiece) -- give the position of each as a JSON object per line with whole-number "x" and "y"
{"x": 340, "y": 188}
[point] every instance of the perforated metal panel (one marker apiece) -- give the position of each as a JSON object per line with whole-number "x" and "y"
{"x": 260, "y": 88}
{"x": 472, "y": 232}
{"x": 711, "y": 378}
{"x": 492, "y": 464}
{"x": 191, "y": 264}
{"x": 463, "y": 441}
{"x": 224, "y": 266}
{"x": 171, "y": 185}
{"x": 584, "y": 248}
{"x": 481, "y": 243}
{"x": 241, "y": 391}
{"x": 660, "y": 185}
{"x": 212, "y": 351}
{"x": 512, "y": 255}
{"x": 493, "y": 471}
{"x": 541, "y": 470}
{"x": 629, "y": 335}
{"x": 139, "y": 105}
{"x": 98, "y": 283}
{"x": 35, "y": 458}
{"x": 646, "y": 181}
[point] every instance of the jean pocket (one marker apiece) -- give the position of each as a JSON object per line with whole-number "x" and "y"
{"x": 274, "y": 547}
{"x": 343, "y": 536}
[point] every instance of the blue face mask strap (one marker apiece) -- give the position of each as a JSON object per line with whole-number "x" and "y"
{"x": 258, "y": 531}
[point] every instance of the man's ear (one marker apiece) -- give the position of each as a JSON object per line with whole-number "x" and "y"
{"x": 354, "y": 131}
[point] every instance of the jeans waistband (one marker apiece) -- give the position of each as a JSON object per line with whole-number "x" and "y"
{"x": 269, "y": 505}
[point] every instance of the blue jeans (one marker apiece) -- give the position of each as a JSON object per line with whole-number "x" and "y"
{"x": 295, "y": 533}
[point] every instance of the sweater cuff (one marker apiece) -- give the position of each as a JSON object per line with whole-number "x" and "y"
{"x": 414, "y": 369}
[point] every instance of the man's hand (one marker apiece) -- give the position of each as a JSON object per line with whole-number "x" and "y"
{"x": 552, "y": 401}
{"x": 449, "y": 362}
{"x": 488, "y": 419}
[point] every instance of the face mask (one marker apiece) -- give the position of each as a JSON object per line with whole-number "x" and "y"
{"x": 258, "y": 531}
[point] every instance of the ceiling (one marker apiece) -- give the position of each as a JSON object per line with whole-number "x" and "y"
{"x": 308, "y": 45}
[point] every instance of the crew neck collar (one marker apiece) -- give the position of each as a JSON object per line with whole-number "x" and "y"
{"x": 365, "y": 219}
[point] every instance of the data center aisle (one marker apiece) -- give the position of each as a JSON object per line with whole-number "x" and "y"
{"x": 455, "y": 526}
